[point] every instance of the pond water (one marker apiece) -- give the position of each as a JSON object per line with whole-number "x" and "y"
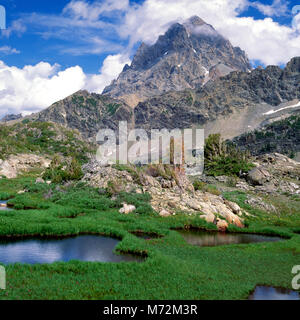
{"x": 83, "y": 248}
{"x": 270, "y": 293}
{"x": 211, "y": 239}
{"x": 3, "y": 206}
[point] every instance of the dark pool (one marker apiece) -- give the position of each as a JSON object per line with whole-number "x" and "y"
{"x": 83, "y": 248}
{"x": 211, "y": 239}
{"x": 270, "y": 293}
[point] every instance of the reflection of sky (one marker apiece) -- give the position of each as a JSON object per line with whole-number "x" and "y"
{"x": 4, "y": 208}
{"x": 84, "y": 248}
{"x": 269, "y": 293}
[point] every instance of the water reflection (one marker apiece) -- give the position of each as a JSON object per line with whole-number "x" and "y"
{"x": 83, "y": 248}
{"x": 3, "y": 206}
{"x": 270, "y": 293}
{"x": 211, "y": 239}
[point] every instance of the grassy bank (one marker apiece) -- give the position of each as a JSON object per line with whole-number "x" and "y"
{"x": 173, "y": 269}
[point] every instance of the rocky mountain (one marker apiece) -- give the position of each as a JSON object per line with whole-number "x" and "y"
{"x": 231, "y": 105}
{"x": 187, "y": 56}
{"x": 11, "y": 117}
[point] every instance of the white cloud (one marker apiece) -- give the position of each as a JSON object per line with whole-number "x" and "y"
{"x": 17, "y": 27}
{"x": 33, "y": 88}
{"x": 92, "y": 11}
{"x": 7, "y": 50}
{"x": 112, "y": 67}
{"x": 36, "y": 87}
{"x": 276, "y": 9}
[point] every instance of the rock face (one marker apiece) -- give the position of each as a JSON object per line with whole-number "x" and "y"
{"x": 188, "y": 55}
{"x": 15, "y": 165}
{"x": 169, "y": 195}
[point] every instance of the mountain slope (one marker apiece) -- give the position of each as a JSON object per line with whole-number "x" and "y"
{"x": 281, "y": 136}
{"x": 186, "y": 56}
{"x": 87, "y": 112}
{"x": 42, "y": 138}
{"x": 242, "y": 95}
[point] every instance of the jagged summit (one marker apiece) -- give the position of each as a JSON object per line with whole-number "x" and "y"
{"x": 188, "y": 55}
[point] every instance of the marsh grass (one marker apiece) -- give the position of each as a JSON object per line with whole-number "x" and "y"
{"x": 173, "y": 268}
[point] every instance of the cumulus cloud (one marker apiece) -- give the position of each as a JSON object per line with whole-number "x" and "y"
{"x": 36, "y": 87}
{"x": 33, "y": 88}
{"x": 112, "y": 67}
{"x": 276, "y": 9}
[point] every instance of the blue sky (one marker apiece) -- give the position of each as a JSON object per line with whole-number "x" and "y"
{"x": 52, "y": 48}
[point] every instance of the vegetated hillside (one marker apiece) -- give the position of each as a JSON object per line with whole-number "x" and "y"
{"x": 281, "y": 136}
{"x": 87, "y": 112}
{"x": 42, "y": 138}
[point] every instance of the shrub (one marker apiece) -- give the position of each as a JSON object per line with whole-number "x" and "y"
{"x": 60, "y": 171}
{"x": 202, "y": 186}
{"x": 224, "y": 159}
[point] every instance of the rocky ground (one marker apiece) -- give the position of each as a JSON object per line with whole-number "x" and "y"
{"x": 170, "y": 195}
{"x": 273, "y": 174}
{"x": 18, "y": 164}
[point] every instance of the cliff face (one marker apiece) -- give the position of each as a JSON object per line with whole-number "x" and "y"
{"x": 187, "y": 56}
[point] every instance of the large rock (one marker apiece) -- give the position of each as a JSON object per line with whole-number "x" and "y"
{"x": 257, "y": 176}
{"x": 127, "y": 208}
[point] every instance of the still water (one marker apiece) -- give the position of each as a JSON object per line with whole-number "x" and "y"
{"x": 270, "y": 293}
{"x": 83, "y": 248}
{"x": 211, "y": 239}
{"x": 3, "y": 206}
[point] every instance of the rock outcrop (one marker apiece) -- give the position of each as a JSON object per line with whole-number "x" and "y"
{"x": 20, "y": 163}
{"x": 170, "y": 195}
{"x": 274, "y": 173}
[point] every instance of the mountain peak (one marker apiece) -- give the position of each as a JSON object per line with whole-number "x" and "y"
{"x": 187, "y": 56}
{"x": 195, "y": 21}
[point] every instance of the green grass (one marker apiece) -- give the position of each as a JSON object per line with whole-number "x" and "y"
{"x": 42, "y": 138}
{"x": 173, "y": 269}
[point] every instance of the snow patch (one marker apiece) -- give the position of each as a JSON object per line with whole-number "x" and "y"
{"x": 288, "y": 107}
